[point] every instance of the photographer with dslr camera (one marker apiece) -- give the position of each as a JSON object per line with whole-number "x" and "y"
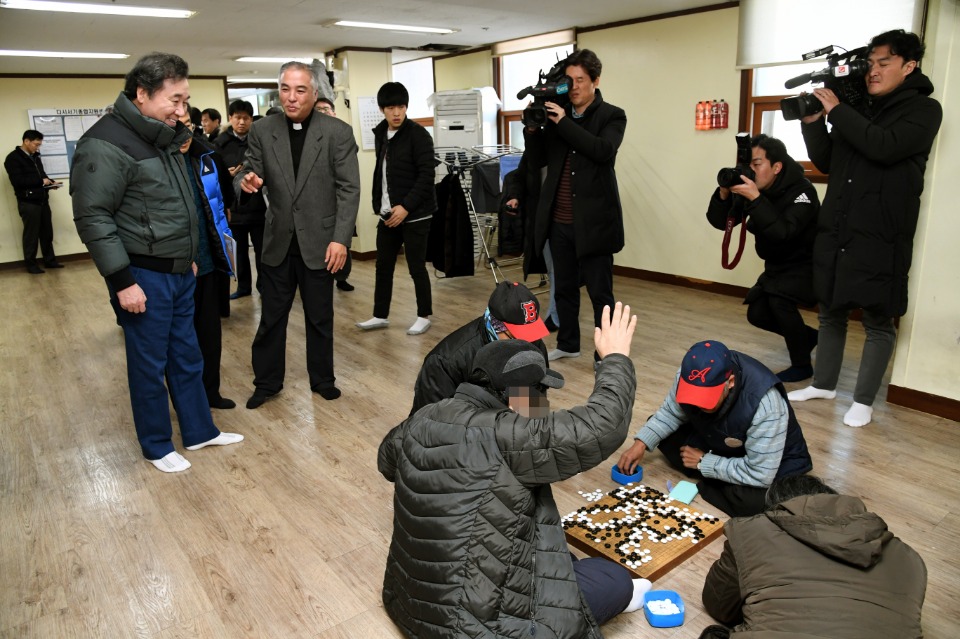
{"x": 579, "y": 208}
{"x": 779, "y": 206}
{"x": 876, "y": 157}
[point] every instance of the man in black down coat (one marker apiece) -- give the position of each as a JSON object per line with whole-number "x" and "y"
{"x": 512, "y": 312}
{"x": 876, "y": 159}
{"x": 478, "y": 549}
{"x": 781, "y": 207}
{"x": 579, "y": 209}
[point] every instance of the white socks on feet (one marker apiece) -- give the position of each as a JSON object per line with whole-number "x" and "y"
{"x": 858, "y": 415}
{"x": 640, "y": 588}
{"x": 223, "y": 439}
{"x": 175, "y": 462}
{"x": 419, "y": 327}
{"x": 810, "y": 392}
{"x": 372, "y": 323}
{"x": 171, "y": 463}
{"x": 556, "y": 354}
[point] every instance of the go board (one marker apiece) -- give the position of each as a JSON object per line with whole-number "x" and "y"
{"x": 641, "y": 529}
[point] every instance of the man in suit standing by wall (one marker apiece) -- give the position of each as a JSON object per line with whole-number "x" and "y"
{"x": 30, "y": 184}
{"x": 308, "y": 165}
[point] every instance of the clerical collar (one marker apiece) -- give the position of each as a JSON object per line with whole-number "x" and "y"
{"x": 300, "y": 126}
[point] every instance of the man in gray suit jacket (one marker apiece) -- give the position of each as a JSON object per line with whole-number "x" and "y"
{"x": 308, "y": 165}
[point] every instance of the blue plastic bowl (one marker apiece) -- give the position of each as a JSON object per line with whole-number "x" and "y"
{"x": 620, "y": 478}
{"x": 663, "y": 621}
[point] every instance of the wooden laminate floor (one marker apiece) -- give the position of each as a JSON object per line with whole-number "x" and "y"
{"x": 285, "y": 535}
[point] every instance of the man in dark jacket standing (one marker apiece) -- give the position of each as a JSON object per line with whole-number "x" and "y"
{"x": 246, "y": 216}
{"x": 405, "y": 200}
{"x": 513, "y": 312}
{"x": 135, "y": 211}
{"x": 579, "y": 209}
{"x": 727, "y": 422}
{"x": 876, "y": 158}
{"x": 30, "y": 184}
{"x": 478, "y": 548}
{"x": 814, "y": 564}
{"x": 780, "y": 207}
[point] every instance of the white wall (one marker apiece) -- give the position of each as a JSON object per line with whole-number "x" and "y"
{"x": 467, "y": 71}
{"x": 366, "y": 73}
{"x": 657, "y": 72}
{"x": 928, "y": 349}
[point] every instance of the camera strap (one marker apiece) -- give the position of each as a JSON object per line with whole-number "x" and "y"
{"x": 727, "y": 233}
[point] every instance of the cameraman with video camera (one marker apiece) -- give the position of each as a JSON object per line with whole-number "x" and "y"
{"x": 579, "y": 208}
{"x": 780, "y": 206}
{"x": 876, "y": 157}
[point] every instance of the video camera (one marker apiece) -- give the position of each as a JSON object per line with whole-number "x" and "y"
{"x": 554, "y": 86}
{"x": 843, "y": 75}
{"x": 731, "y": 176}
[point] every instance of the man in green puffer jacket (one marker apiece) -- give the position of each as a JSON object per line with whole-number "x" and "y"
{"x": 478, "y": 549}
{"x": 815, "y": 564}
{"x": 134, "y": 209}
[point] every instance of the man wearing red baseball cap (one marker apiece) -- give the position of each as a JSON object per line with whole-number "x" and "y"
{"x": 727, "y": 422}
{"x": 513, "y": 312}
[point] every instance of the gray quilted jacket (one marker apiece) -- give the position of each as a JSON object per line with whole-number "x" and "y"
{"x": 478, "y": 550}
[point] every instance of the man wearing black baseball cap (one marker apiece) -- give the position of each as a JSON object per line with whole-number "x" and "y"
{"x": 513, "y": 312}
{"x": 726, "y": 421}
{"x": 478, "y": 548}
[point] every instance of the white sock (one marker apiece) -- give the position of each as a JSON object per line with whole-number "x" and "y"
{"x": 372, "y": 323}
{"x": 810, "y": 392}
{"x": 171, "y": 462}
{"x": 556, "y": 354}
{"x": 858, "y": 415}
{"x": 223, "y": 439}
{"x": 640, "y": 588}
{"x": 420, "y": 326}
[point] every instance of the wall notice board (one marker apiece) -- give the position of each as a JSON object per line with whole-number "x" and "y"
{"x": 61, "y": 129}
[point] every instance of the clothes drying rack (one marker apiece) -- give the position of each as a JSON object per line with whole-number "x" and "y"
{"x": 459, "y": 162}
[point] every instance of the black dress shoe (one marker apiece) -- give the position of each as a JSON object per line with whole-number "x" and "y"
{"x": 223, "y": 403}
{"x": 328, "y": 393}
{"x": 796, "y": 373}
{"x": 53, "y": 264}
{"x": 345, "y": 286}
{"x": 33, "y": 269}
{"x": 553, "y": 328}
{"x": 239, "y": 294}
{"x": 258, "y": 398}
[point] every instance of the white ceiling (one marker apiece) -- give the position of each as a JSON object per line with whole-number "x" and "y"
{"x": 222, "y": 30}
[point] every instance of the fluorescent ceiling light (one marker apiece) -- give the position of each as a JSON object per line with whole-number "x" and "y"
{"x": 273, "y": 60}
{"x": 62, "y": 54}
{"x": 106, "y": 9}
{"x": 390, "y": 27}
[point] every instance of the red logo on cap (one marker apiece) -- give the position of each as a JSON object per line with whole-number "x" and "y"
{"x": 529, "y": 312}
{"x": 701, "y": 375}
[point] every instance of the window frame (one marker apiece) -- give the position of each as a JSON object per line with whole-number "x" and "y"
{"x": 751, "y": 117}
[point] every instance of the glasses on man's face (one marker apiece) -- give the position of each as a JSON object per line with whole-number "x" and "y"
{"x": 325, "y": 109}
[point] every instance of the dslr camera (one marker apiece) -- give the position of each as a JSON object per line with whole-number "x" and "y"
{"x": 731, "y": 176}
{"x": 843, "y": 75}
{"x": 554, "y": 86}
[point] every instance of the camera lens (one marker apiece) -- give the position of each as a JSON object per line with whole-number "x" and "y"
{"x": 729, "y": 177}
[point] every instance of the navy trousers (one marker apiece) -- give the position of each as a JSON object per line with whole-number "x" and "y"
{"x": 162, "y": 345}
{"x": 607, "y": 587}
